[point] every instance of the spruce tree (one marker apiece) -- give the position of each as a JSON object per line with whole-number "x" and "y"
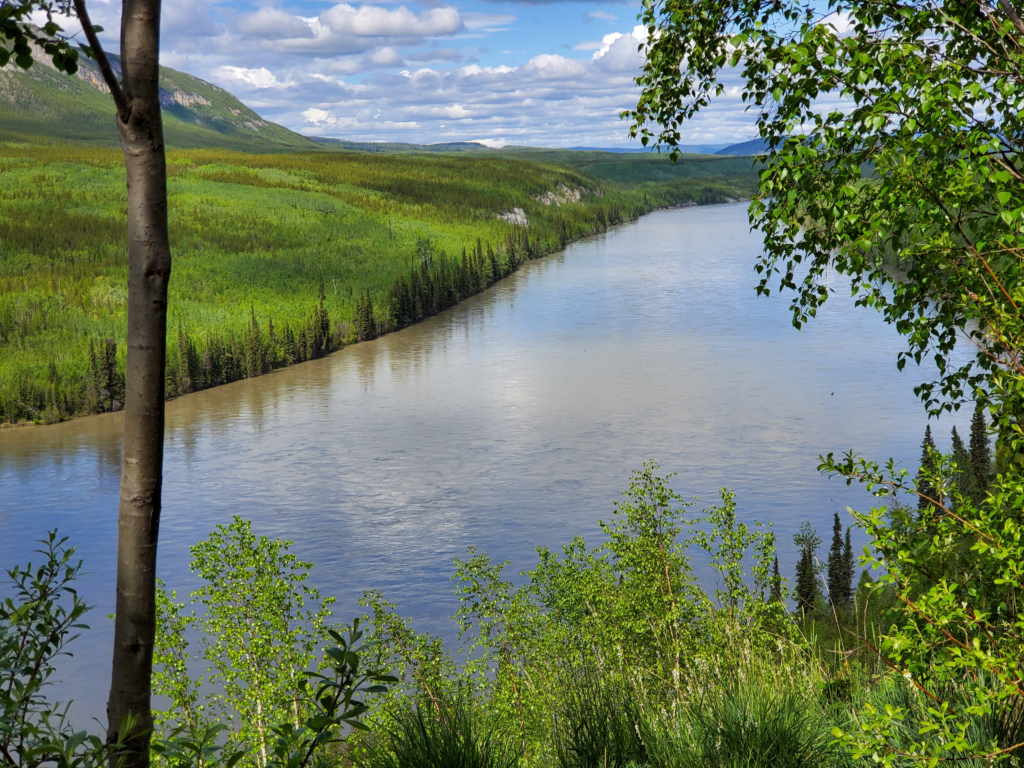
{"x": 928, "y": 495}
{"x": 114, "y": 379}
{"x": 322, "y": 323}
{"x": 806, "y": 570}
{"x": 776, "y": 583}
{"x": 95, "y": 390}
{"x": 838, "y": 583}
{"x": 965, "y": 481}
{"x": 981, "y": 454}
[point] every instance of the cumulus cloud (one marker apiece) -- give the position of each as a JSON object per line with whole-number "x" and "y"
{"x": 249, "y": 78}
{"x": 407, "y": 72}
{"x": 274, "y": 24}
{"x": 374, "y": 21}
{"x": 636, "y": 38}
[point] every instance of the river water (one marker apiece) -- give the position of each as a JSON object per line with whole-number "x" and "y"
{"x": 510, "y": 421}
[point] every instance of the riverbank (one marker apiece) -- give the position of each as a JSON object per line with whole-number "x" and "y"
{"x": 255, "y": 237}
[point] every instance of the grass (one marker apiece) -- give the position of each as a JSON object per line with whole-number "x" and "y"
{"x": 252, "y": 237}
{"x": 441, "y": 735}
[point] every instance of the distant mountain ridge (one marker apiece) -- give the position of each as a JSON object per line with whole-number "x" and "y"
{"x": 753, "y": 147}
{"x": 42, "y": 102}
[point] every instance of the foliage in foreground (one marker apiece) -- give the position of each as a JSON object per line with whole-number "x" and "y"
{"x": 36, "y": 621}
{"x": 604, "y": 656}
{"x": 895, "y": 134}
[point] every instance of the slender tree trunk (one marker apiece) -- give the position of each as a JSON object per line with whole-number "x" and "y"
{"x": 149, "y": 267}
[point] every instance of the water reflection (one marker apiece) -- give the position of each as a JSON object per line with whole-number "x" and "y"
{"x": 508, "y": 422}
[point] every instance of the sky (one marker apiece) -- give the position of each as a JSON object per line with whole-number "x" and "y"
{"x": 551, "y": 73}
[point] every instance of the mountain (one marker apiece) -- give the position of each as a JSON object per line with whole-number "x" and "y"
{"x": 400, "y": 148}
{"x": 685, "y": 149}
{"x": 42, "y": 102}
{"x": 752, "y": 147}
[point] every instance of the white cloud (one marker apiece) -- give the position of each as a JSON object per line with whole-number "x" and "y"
{"x": 551, "y": 66}
{"x": 274, "y": 24}
{"x": 636, "y": 38}
{"x": 492, "y": 143}
{"x": 337, "y": 73}
{"x": 591, "y": 15}
{"x": 251, "y": 78}
{"x": 374, "y": 21}
{"x": 840, "y": 21}
{"x": 316, "y": 116}
{"x": 385, "y": 57}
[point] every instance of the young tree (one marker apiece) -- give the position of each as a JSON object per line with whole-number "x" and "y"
{"x": 926, "y": 98}
{"x": 259, "y": 627}
{"x": 136, "y": 96}
{"x": 807, "y": 592}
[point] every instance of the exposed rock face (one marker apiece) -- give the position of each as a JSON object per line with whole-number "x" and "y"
{"x": 516, "y": 216}
{"x": 181, "y": 98}
{"x": 564, "y": 195}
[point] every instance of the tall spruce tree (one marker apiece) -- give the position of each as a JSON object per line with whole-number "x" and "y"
{"x": 806, "y": 570}
{"x": 839, "y": 574}
{"x": 928, "y": 494}
{"x": 965, "y": 479}
{"x": 981, "y": 454}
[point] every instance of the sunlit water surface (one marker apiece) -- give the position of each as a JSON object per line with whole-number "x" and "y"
{"x": 510, "y": 421}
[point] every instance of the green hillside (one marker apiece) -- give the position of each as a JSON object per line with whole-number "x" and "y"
{"x": 43, "y": 102}
{"x": 390, "y": 238}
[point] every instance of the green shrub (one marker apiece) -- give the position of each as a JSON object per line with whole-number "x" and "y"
{"x": 439, "y": 735}
{"x": 746, "y": 727}
{"x": 598, "y": 725}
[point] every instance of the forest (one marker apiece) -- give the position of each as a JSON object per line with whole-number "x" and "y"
{"x": 280, "y": 258}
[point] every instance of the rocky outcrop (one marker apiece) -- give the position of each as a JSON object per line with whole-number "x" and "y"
{"x": 564, "y": 195}
{"x": 516, "y": 216}
{"x": 182, "y": 99}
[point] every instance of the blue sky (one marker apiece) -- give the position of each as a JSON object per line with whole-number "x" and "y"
{"x": 542, "y": 74}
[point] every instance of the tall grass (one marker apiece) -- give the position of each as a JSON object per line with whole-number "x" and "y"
{"x": 441, "y": 735}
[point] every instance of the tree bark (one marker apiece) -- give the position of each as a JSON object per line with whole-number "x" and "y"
{"x": 149, "y": 268}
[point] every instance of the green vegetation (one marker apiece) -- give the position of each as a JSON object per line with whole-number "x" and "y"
{"x": 278, "y": 258}
{"x": 607, "y": 655}
{"x": 894, "y": 134}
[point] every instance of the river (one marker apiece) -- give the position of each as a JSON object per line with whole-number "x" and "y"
{"x": 510, "y": 421}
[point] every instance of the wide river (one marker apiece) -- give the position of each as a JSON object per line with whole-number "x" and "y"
{"x": 510, "y": 421}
